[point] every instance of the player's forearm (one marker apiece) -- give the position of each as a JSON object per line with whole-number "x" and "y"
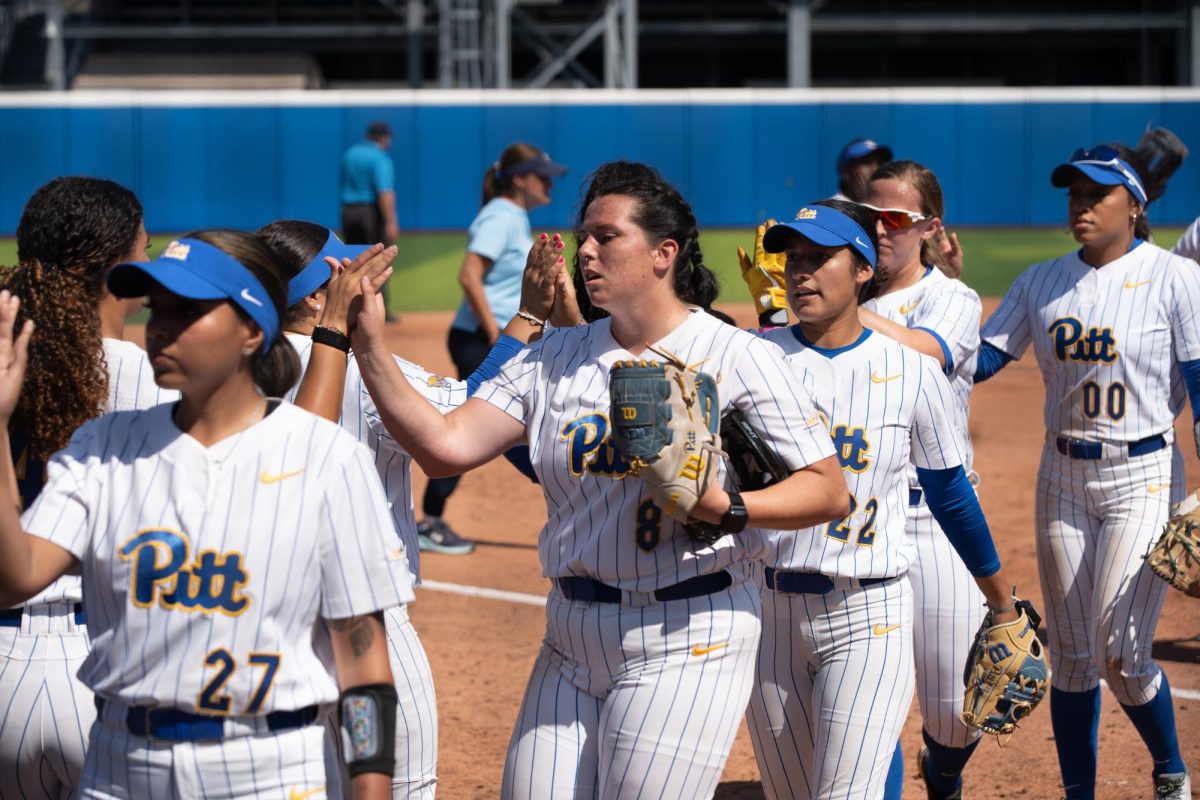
{"x": 999, "y": 595}
{"x": 919, "y": 340}
{"x": 361, "y": 659}
{"x": 323, "y": 383}
{"x": 814, "y": 495}
{"x": 15, "y": 554}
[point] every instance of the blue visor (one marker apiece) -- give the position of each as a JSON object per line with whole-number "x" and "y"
{"x": 825, "y": 226}
{"x": 540, "y": 164}
{"x": 861, "y": 148}
{"x": 318, "y": 272}
{"x": 1102, "y": 165}
{"x": 198, "y": 271}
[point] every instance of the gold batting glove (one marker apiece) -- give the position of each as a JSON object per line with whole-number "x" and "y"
{"x": 764, "y": 278}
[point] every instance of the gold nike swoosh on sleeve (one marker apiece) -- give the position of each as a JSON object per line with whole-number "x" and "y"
{"x": 880, "y": 629}
{"x": 1132, "y": 285}
{"x": 267, "y": 478}
{"x": 876, "y": 379}
{"x": 297, "y": 795}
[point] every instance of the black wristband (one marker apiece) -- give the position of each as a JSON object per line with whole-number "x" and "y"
{"x": 368, "y": 723}
{"x": 332, "y": 338}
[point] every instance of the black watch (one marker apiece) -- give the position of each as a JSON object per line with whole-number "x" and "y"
{"x": 734, "y": 520}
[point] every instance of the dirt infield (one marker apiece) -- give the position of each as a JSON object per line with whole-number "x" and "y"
{"x": 482, "y": 649}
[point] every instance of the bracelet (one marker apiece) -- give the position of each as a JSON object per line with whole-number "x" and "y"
{"x": 331, "y": 337}
{"x": 531, "y": 319}
{"x": 1008, "y": 607}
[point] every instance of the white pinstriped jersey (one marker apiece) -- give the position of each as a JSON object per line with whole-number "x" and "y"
{"x": 131, "y": 387}
{"x": 951, "y": 311}
{"x": 205, "y": 569}
{"x": 392, "y": 462}
{"x": 887, "y": 406}
{"x": 1188, "y": 245}
{"x": 601, "y": 523}
{"x": 1105, "y": 339}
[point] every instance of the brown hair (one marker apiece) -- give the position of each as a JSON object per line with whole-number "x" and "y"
{"x": 495, "y": 181}
{"x": 71, "y": 231}
{"x": 922, "y": 179}
{"x": 275, "y": 367}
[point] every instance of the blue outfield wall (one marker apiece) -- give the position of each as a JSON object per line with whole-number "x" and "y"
{"x": 242, "y": 159}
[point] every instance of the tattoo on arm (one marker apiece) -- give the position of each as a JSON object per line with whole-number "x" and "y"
{"x": 361, "y": 633}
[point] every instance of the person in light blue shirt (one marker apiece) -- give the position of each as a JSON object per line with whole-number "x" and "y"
{"x": 498, "y": 242}
{"x": 368, "y": 192}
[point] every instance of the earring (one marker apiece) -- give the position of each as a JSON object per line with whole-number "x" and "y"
{"x": 248, "y": 352}
{"x": 316, "y": 307}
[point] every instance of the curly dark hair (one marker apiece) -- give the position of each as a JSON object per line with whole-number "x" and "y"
{"x": 662, "y": 213}
{"x": 71, "y": 231}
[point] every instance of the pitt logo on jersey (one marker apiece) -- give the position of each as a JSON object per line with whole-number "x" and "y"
{"x": 211, "y": 583}
{"x": 852, "y": 447}
{"x": 1072, "y": 342}
{"x": 588, "y": 447}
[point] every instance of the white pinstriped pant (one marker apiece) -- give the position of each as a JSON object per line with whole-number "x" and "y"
{"x": 416, "y": 718}
{"x": 1095, "y": 522}
{"x": 121, "y": 766}
{"x": 45, "y": 712}
{"x": 948, "y": 609}
{"x": 631, "y": 702}
{"x": 831, "y": 692}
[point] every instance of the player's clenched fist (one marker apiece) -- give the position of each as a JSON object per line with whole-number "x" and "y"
{"x": 764, "y": 278}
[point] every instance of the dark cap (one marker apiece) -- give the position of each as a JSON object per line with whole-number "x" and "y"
{"x": 862, "y": 148}
{"x": 378, "y": 129}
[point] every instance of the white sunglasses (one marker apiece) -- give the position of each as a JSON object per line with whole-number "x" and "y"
{"x": 896, "y": 218}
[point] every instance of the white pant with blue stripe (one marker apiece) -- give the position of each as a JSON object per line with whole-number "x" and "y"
{"x": 45, "y": 712}
{"x": 834, "y": 682}
{"x": 630, "y": 701}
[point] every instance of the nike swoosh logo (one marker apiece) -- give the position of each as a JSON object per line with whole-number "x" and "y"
{"x": 880, "y": 630}
{"x": 1158, "y": 488}
{"x": 876, "y": 379}
{"x": 1131, "y": 285}
{"x": 249, "y": 298}
{"x": 265, "y": 478}
{"x": 861, "y": 243}
{"x": 697, "y": 650}
{"x": 295, "y": 795}
{"x": 909, "y": 307}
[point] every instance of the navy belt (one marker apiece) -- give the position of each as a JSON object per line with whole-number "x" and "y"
{"x": 174, "y": 725}
{"x": 915, "y": 496}
{"x": 587, "y": 590}
{"x": 11, "y": 617}
{"x": 1093, "y": 451}
{"x": 809, "y": 582}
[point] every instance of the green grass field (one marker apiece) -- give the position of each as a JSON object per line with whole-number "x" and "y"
{"x": 426, "y": 276}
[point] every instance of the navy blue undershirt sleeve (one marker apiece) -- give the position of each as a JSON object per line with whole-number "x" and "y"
{"x": 950, "y": 497}
{"x": 991, "y": 359}
{"x": 504, "y": 349}
{"x": 1191, "y": 379}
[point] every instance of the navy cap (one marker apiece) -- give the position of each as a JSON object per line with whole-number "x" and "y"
{"x": 861, "y": 148}
{"x": 541, "y": 164}
{"x": 1102, "y": 165}
{"x": 825, "y": 226}
{"x": 199, "y": 271}
{"x": 318, "y": 272}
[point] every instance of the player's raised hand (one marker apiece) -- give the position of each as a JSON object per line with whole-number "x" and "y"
{"x": 346, "y": 287}
{"x": 368, "y": 332}
{"x": 14, "y": 354}
{"x": 542, "y": 268}
{"x": 565, "y": 313}
{"x": 764, "y": 278}
{"x": 952, "y": 254}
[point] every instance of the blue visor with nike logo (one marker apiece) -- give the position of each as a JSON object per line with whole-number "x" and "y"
{"x": 199, "y": 271}
{"x": 825, "y": 226}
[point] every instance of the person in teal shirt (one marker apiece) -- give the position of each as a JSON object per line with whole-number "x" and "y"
{"x": 498, "y": 243}
{"x": 368, "y": 192}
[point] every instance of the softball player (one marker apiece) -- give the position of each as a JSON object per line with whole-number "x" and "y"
{"x": 1107, "y": 323}
{"x": 70, "y": 232}
{"x": 837, "y": 605}
{"x": 920, "y": 307}
{"x": 498, "y": 242}
{"x": 650, "y": 641}
{"x": 211, "y": 533}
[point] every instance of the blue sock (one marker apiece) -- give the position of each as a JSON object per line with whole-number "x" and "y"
{"x": 943, "y": 769}
{"x": 1075, "y": 718}
{"x": 894, "y": 785}
{"x": 1155, "y": 721}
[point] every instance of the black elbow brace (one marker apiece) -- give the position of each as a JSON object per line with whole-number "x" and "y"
{"x": 368, "y": 722}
